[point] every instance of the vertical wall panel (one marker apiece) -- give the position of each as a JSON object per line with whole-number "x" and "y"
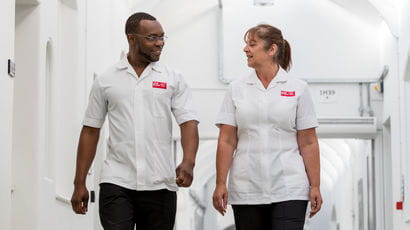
{"x": 7, "y": 14}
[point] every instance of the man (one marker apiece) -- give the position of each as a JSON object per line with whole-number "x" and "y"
{"x": 138, "y": 179}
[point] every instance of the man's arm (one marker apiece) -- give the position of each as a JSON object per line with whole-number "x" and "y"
{"x": 189, "y": 142}
{"x": 309, "y": 149}
{"x": 85, "y": 155}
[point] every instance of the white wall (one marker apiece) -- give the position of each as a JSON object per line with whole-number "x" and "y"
{"x": 404, "y": 36}
{"x": 404, "y": 76}
{"x": 46, "y": 130}
{"x": 327, "y": 41}
{"x": 392, "y": 111}
{"x": 192, "y": 30}
{"x": 395, "y": 52}
{"x": 25, "y": 123}
{"x": 6, "y": 109}
{"x": 71, "y": 92}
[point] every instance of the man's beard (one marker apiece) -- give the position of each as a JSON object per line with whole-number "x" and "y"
{"x": 145, "y": 55}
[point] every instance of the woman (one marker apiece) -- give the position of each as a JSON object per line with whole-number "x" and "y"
{"x": 268, "y": 120}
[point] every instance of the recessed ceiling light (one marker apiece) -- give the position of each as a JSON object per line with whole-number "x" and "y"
{"x": 263, "y": 2}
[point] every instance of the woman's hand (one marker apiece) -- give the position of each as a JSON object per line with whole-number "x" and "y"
{"x": 315, "y": 201}
{"x": 220, "y": 198}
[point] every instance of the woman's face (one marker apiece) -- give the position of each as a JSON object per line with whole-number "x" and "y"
{"x": 256, "y": 53}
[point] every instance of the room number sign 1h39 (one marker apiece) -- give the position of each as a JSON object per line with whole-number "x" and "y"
{"x": 327, "y": 95}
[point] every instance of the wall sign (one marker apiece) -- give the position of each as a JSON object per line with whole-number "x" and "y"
{"x": 327, "y": 95}
{"x": 11, "y": 69}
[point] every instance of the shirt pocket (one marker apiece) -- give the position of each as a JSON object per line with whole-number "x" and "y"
{"x": 282, "y": 112}
{"x": 161, "y": 102}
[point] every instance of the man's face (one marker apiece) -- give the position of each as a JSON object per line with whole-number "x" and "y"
{"x": 148, "y": 42}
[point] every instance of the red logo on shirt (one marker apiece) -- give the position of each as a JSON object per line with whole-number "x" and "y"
{"x": 287, "y": 93}
{"x": 160, "y": 85}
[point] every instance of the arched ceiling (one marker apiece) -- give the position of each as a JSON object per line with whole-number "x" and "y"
{"x": 373, "y": 11}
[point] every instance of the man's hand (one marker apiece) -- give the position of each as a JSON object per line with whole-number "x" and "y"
{"x": 315, "y": 201}
{"x": 220, "y": 198}
{"x": 79, "y": 200}
{"x": 185, "y": 174}
{"x": 86, "y": 151}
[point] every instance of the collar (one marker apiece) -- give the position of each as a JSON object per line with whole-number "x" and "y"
{"x": 281, "y": 76}
{"x": 156, "y": 66}
{"x": 124, "y": 64}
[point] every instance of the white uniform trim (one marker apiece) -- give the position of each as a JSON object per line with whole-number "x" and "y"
{"x": 139, "y": 111}
{"x": 267, "y": 166}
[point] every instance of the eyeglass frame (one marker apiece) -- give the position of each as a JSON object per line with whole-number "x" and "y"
{"x": 152, "y": 38}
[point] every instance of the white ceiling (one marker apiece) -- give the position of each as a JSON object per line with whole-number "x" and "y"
{"x": 373, "y": 11}
{"x": 361, "y": 8}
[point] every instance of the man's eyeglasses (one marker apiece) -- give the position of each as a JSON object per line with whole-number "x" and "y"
{"x": 152, "y": 38}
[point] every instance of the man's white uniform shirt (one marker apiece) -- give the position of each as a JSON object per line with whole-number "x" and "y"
{"x": 267, "y": 166}
{"x": 139, "y": 109}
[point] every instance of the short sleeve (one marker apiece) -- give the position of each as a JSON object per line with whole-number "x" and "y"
{"x": 97, "y": 107}
{"x": 305, "y": 114}
{"x": 226, "y": 115}
{"x": 182, "y": 105}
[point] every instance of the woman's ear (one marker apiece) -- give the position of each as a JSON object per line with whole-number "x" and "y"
{"x": 274, "y": 49}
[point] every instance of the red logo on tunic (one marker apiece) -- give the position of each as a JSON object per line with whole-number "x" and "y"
{"x": 287, "y": 93}
{"x": 159, "y": 85}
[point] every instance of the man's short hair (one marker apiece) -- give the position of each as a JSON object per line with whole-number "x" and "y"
{"x": 133, "y": 22}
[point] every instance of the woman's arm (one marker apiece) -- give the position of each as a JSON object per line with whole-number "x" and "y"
{"x": 309, "y": 149}
{"x": 227, "y": 142}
